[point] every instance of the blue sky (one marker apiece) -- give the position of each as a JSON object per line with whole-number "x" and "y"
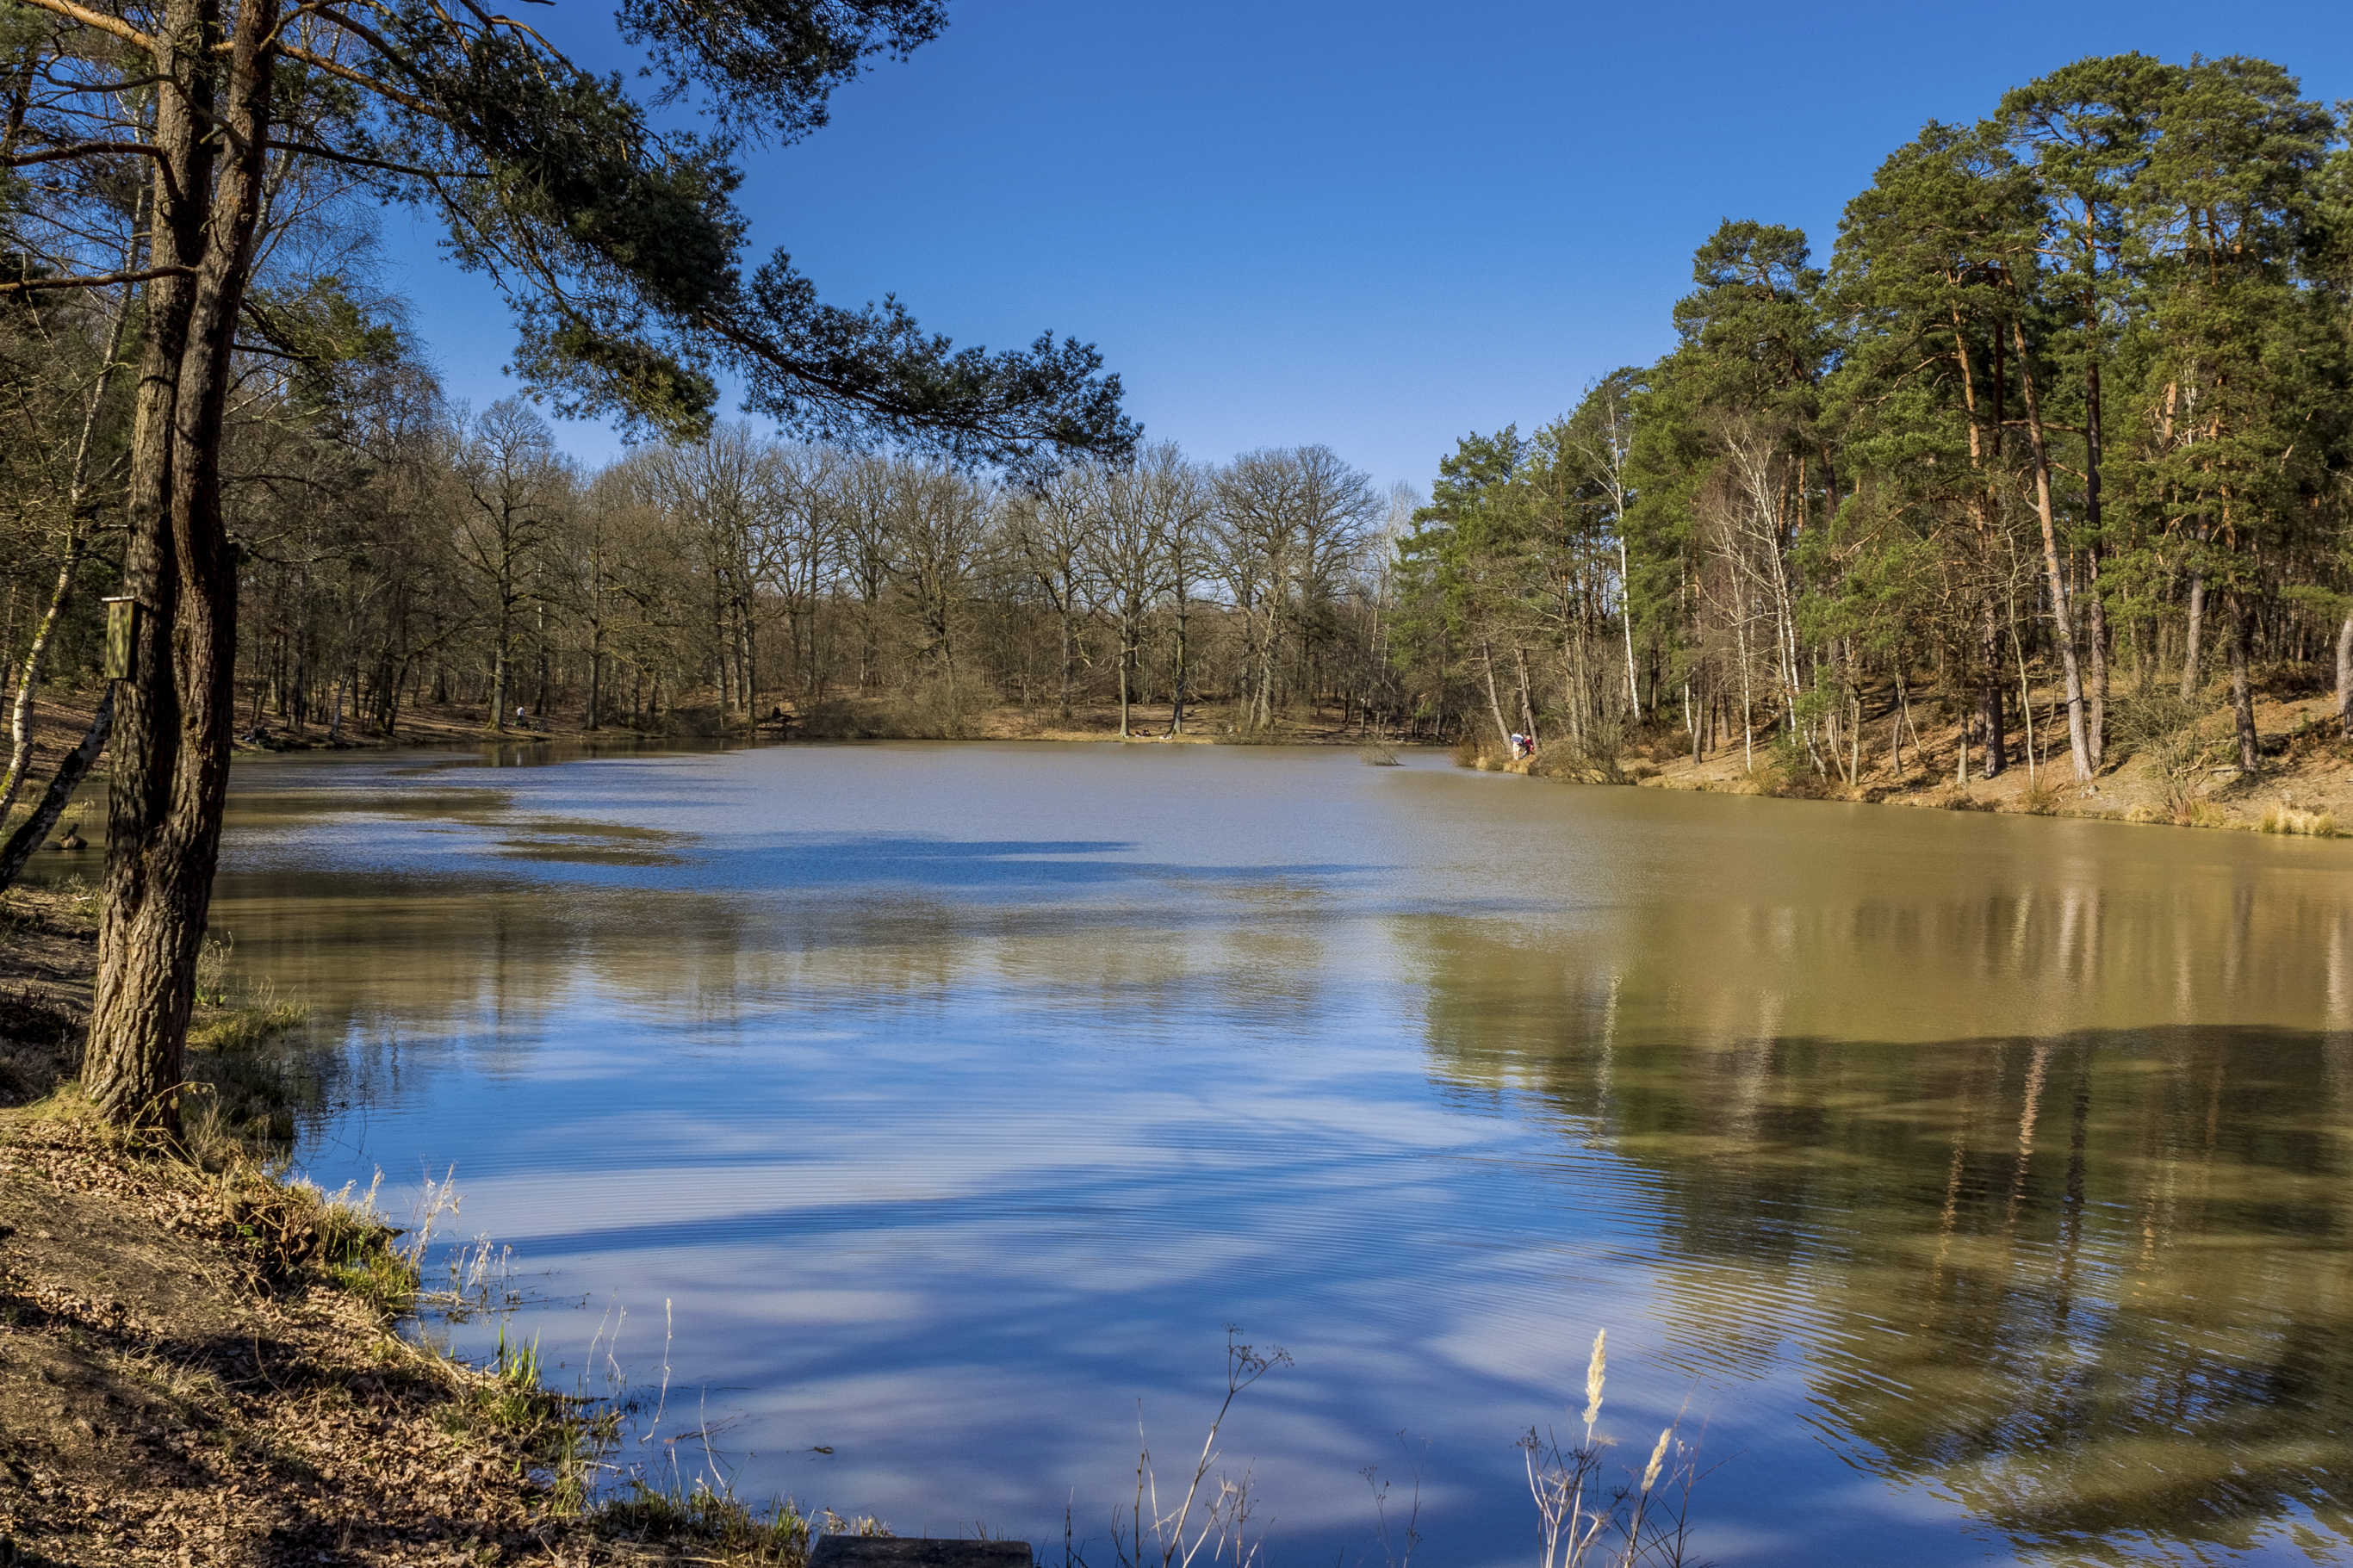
{"x": 1369, "y": 225}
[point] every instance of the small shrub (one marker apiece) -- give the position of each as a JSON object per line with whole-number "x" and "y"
{"x": 2288, "y": 680}
{"x": 377, "y": 1275}
{"x": 2313, "y": 736}
{"x": 703, "y": 719}
{"x": 1569, "y": 765}
{"x": 1604, "y": 745}
{"x": 833, "y": 719}
{"x": 2164, "y": 730}
{"x": 1794, "y": 782}
{"x": 302, "y": 1234}
{"x": 939, "y": 707}
{"x": 2041, "y": 799}
{"x": 1478, "y": 749}
{"x": 212, "y": 970}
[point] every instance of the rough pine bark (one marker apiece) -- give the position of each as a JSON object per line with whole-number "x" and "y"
{"x": 2192, "y": 637}
{"x": 1997, "y": 738}
{"x": 2096, "y": 629}
{"x": 2345, "y": 678}
{"x": 175, "y": 715}
{"x": 1495, "y": 702}
{"x": 2243, "y": 707}
{"x": 2096, "y": 614}
{"x": 2062, "y": 621}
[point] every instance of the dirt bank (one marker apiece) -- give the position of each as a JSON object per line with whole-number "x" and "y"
{"x": 2187, "y": 775}
{"x": 201, "y": 1364}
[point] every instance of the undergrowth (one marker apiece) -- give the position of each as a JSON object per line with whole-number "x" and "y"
{"x": 741, "y": 1535}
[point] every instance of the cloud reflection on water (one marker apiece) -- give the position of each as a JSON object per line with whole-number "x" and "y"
{"x": 948, "y": 1147}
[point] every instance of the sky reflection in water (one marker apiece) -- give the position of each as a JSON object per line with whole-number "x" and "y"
{"x": 1980, "y": 1181}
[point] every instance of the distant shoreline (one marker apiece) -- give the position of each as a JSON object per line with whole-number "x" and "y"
{"x": 2305, "y": 787}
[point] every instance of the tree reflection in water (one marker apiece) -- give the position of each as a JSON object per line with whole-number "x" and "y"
{"x": 2095, "y": 1284}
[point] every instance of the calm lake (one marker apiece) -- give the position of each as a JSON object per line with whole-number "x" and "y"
{"x": 1980, "y": 1185}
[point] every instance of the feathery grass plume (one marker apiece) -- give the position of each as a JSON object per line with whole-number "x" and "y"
{"x": 1585, "y": 1521}
{"x": 1658, "y": 1458}
{"x": 1596, "y": 1371}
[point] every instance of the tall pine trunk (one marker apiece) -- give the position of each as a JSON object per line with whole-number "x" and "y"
{"x": 176, "y": 711}
{"x": 1626, "y": 623}
{"x": 2096, "y": 614}
{"x": 1070, "y": 658}
{"x": 596, "y": 677}
{"x": 2345, "y": 678}
{"x": 2192, "y": 637}
{"x": 2096, "y": 628}
{"x": 2062, "y": 621}
{"x": 1996, "y": 740}
{"x": 2242, "y": 632}
{"x": 1495, "y": 702}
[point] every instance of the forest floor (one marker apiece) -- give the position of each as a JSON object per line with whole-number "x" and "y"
{"x": 201, "y": 1363}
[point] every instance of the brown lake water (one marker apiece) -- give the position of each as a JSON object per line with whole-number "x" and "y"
{"x": 1981, "y": 1183}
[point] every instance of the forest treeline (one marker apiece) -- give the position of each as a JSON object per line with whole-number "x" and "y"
{"x": 2057, "y": 439}
{"x": 396, "y": 552}
{"x": 2055, "y": 442}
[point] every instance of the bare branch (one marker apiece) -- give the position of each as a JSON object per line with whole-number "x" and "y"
{"x": 357, "y": 78}
{"x": 332, "y": 155}
{"x": 103, "y": 280}
{"x": 80, "y": 150}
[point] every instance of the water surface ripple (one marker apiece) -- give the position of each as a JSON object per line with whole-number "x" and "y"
{"x": 1980, "y": 1183}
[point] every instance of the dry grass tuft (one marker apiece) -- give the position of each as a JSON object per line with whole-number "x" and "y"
{"x": 2288, "y": 819}
{"x": 2195, "y": 812}
{"x": 723, "y": 1529}
{"x": 243, "y": 1027}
